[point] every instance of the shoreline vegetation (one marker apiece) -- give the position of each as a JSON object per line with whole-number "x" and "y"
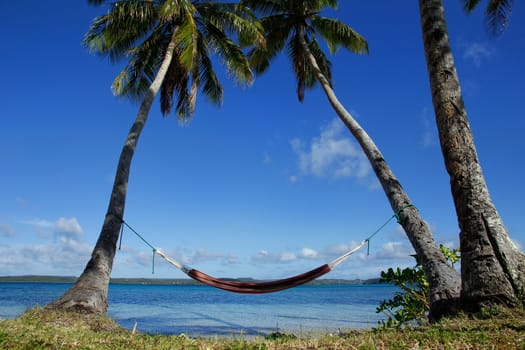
{"x": 47, "y": 329}
{"x": 167, "y": 281}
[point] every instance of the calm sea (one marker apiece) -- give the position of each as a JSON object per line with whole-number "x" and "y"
{"x": 205, "y": 311}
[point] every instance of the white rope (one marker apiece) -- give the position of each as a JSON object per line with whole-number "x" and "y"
{"x": 332, "y": 264}
{"x": 178, "y": 265}
{"x": 343, "y": 257}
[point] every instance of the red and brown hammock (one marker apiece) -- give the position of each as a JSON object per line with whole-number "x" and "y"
{"x": 259, "y": 287}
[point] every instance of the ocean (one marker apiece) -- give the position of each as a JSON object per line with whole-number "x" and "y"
{"x": 206, "y": 311}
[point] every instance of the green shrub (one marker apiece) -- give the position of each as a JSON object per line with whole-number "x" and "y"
{"x": 411, "y": 305}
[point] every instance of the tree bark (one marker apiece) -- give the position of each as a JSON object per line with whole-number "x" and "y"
{"x": 89, "y": 293}
{"x": 444, "y": 280}
{"x": 492, "y": 268}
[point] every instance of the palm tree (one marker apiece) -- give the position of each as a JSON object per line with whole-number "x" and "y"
{"x": 492, "y": 268}
{"x": 294, "y": 26}
{"x": 168, "y": 45}
{"x": 497, "y": 14}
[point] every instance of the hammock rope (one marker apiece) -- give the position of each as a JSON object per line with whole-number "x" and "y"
{"x": 261, "y": 286}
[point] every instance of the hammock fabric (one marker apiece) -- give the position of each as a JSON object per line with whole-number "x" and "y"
{"x": 265, "y": 286}
{"x": 259, "y": 287}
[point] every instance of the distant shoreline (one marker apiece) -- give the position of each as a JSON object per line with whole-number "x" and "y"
{"x": 164, "y": 281}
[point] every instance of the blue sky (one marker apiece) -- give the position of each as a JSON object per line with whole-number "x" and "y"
{"x": 264, "y": 187}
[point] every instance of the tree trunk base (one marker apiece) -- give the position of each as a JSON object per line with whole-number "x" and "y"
{"x": 81, "y": 299}
{"x": 87, "y": 295}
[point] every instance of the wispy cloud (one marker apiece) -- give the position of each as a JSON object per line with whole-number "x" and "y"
{"x": 359, "y": 265}
{"x": 476, "y": 52}
{"x": 266, "y": 257}
{"x": 7, "y": 231}
{"x": 183, "y": 256}
{"x": 331, "y": 154}
{"x": 67, "y": 253}
{"x": 69, "y": 228}
{"x": 392, "y": 250}
{"x": 62, "y": 227}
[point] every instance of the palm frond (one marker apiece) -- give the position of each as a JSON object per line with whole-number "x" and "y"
{"x": 469, "y": 5}
{"x": 328, "y": 3}
{"x": 187, "y": 35}
{"x": 337, "y": 34}
{"x": 265, "y": 7}
{"x": 142, "y": 66}
{"x": 322, "y": 61}
{"x": 498, "y": 15}
{"x": 300, "y": 66}
{"x": 211, "y": 86}
{"x": 230, "y": 53}
{"x": 234, "y": 19}
{"x": 96, "y": 2}
{"x": 277, "y": 30}
{"x": 115, "y": 33}
{"x": 174, "y": 76}
{"x": 172, "y": 10}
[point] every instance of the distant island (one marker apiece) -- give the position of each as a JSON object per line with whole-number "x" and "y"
{"x": 166, "y": 281}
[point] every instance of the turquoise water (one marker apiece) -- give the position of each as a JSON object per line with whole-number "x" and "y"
{"x": 201, "y": 310}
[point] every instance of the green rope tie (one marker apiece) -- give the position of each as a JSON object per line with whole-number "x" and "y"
{"x": 398, "y": 213}
{"x": 153, "y": 249}
{"x": 153, "y": 261}
{"x": 396, "y": 216}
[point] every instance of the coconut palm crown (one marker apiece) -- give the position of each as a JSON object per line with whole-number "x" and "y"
{"x": 286, "y": 21}
{"x": 139, "y": 31}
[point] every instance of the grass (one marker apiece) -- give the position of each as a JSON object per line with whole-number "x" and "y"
{"x": 44, "y": 329}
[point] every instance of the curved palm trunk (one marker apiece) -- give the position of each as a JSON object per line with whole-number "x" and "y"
{"x": 492, "y": 268}
{"x": 89, "y": 293}
{"x": 444, "y": 281}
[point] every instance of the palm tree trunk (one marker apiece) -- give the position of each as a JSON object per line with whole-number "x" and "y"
{"x": 89, "y": 293}
{"x": 492, "y": 268}
{"x": 444, "y": 281}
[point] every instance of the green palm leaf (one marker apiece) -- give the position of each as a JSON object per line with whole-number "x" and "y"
{"x": 286, "y": 23}
{"x": 140, "y": 30}
{"x": 337, "y": 34}
{"x": 497, "y": 14}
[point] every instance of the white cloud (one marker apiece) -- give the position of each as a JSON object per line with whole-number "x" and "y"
{"x": 64, "y": 257}
{"x": 395, "y": 250}
{"x": 40, "y": 223}
{"x": 326, "y": 254}
{"x": 331, "y": 154}
{"x": 265, "y": 257}
{"x": 66, "y": 254}
{"x": 201, "y": 255}
{"x": 309, "y": 253}
{"x": 62, "y": 227}
{"x": 70, "y": 228}
{"x": 183, "y": 256}
{"x": 7, "y": 231}
{"x": 476, "y": 52}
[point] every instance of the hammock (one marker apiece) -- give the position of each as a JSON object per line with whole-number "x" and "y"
{"x": 263, "y": 286}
